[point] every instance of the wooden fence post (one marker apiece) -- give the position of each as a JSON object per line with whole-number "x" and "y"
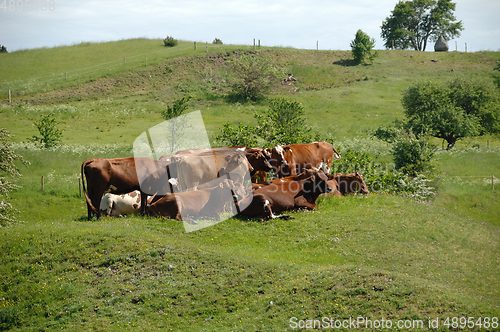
{"x": 206, "y": 47}
{"x": 465, "y": 47}
{"x": 259, "y": 42}
{"x": 195, "y": 46}
{"x": 80, "y": 186}
{"x": 42, "y": 183}
{"x": 10, "y": 99}
{"x": 254, "y": 44}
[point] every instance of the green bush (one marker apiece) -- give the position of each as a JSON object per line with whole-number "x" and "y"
{"x": 242, "y": 135}
{"x": 412, "y": 155}
{"x": 3, "y": 49}
{"x": 170, "y": 41}
{"x": 50, "y": 136}
{"x": 380, "y": 177}
{"x": 217, "y": 41}
{"x": 253, "y": 77}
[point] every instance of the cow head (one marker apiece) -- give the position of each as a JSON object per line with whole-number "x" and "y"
{"x": 278, "y": 159}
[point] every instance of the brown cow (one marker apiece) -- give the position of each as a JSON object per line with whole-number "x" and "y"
{"x": 287, "y": 195}
{"x": 292, "y": 159}
{"x": 189, "y": 205}
{"x": 351, "y": 183}
{"x": 119, "y": 176}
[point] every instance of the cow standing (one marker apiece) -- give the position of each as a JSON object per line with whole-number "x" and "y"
{"x": 293, "y": 159}
{"x": 122, "y": 175}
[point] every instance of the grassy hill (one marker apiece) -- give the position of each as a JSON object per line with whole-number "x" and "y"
{"x": 378, "y": 256}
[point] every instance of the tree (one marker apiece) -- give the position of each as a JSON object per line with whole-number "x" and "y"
{"x": 254, "y": 76}
{"x": 7, "y": 169}
{"x": 362, "y": 47}
{"x": 412, "y": 23}
{"x": 452, "y": 110}
{"x": 50, "y": 136}
{"x": 3, "y": 49}
{"x": 176, "y": 123}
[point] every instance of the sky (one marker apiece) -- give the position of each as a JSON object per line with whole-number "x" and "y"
{"x": 326, "y": 24}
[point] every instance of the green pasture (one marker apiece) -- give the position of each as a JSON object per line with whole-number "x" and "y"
{"x": 377, "y": 256}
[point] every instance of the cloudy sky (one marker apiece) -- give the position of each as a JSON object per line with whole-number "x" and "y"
{"x": 294, "y": 23}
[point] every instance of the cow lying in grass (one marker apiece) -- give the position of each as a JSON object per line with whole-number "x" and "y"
{"x": 205, "y": 203}
{"x": 287, "y": 194}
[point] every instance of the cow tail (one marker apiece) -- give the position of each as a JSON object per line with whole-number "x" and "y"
{"x": 87, "y": 198}
{"x": 336, "y": 154}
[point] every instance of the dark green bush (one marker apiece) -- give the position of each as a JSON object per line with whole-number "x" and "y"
{"x": 170, "y": 41}
{"x": 412, "y": 155}
{"x": 217, "y": 41}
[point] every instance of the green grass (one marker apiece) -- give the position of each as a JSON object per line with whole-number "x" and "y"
{"x": 379, "y": 256}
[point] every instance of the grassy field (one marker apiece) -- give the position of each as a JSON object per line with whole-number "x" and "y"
{"x": 377, "y": 256}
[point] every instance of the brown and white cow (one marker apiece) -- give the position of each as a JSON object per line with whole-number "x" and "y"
{"x": 122, "y": 175}
{"x": 269, "y": 200}
{"x": 292, "y": 159}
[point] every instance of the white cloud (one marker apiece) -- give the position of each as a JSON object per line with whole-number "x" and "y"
{"x": 277, "y": 23}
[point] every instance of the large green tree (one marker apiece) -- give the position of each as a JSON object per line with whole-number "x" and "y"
{"x": 412, "y": 23}
{"x": 452, "y": 110}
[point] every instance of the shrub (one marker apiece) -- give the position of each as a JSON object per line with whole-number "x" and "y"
{"x": 50, "y": 136}
{"x": 382, "y": 178}
{"x": 242, "y": 135}
{"x": 412, "y": 155}
{"x": 283, "y": 123}
{"x": 3, "y": 49}
{"x": 7, "y": 169}
{"x": 254, "y": 76}
{"x": 170, "y": 41}
{"x": 217, "y": 41}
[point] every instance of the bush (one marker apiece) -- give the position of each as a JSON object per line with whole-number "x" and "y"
{"x": 254, "y": 77}
{"x": 3, "y": 49}
{"x": 217, "y": 41}
{"x": 283, "y": 123}
{"x": 362, "y": 48}
{"x": 7, "y": 169}
{"x": 382, "y": 178}
{"x": 50, "y": 136}
{"x": 411, "y": 155}
{"x": 170, "y": 41}
{"x": 242, "y": 135}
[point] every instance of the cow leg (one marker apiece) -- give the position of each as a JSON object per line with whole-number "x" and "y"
{"x": 144, "y": 199}
{"x": 301, "y": 202}
{"x": 270, "y": 215}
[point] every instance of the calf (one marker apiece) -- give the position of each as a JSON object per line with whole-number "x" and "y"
{"x": 286, "y": 195}
{"x": 351, "y": 183}
{"x": 121, "y": 205}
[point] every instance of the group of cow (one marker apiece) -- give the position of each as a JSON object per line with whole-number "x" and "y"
{"x": 203, "y": 183}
